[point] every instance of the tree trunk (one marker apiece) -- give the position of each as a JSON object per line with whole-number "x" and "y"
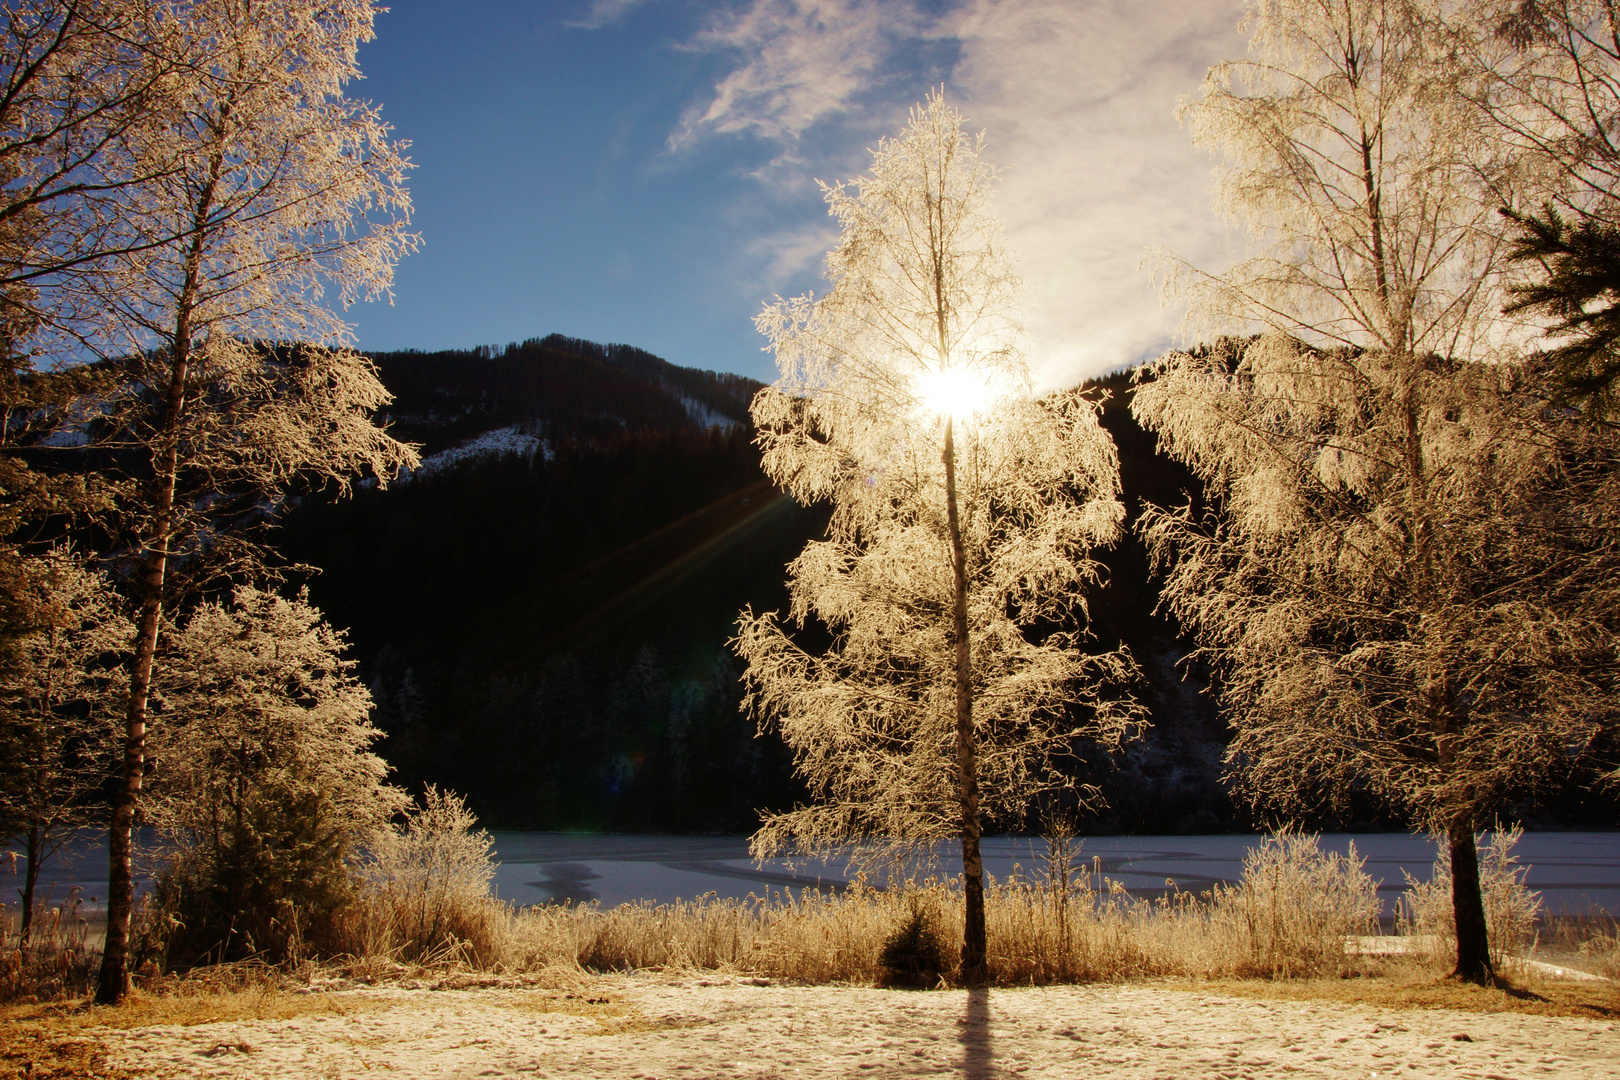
{"x": 34, "y": 845}
{"x": 114, "y": 977}
{"x": 1468, "y": 905}
{"x": 974, "y": 945}
{"x": 113, "y": 980}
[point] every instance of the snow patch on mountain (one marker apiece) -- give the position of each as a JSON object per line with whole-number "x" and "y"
{"x": 698, "y": 412}
{"x": 703, "y": 416}
{"x": 496, "y": 443}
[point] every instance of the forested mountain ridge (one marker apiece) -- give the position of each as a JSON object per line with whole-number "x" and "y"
{"x": 544, "y": 626}
{"x": 553, "y": 387}
{"x": 546, "y": 630}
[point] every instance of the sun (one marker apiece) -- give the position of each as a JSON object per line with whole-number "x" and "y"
{"x": 955, "y": 392}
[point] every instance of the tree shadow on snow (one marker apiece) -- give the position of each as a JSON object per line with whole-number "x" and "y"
{"x": 977, "y": 1061}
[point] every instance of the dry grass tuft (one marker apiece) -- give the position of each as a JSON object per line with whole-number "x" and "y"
{"x": 1590, "y": 942}
{"x": 185, "y": 1006}
{"x": 36, "y": 1052}
{"x": 55, "y": 960}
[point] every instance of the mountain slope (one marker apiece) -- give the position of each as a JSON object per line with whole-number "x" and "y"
{"x": 553, "y": 388}
{"x": 542, "y": 611}
{"x": 543, "y": 622}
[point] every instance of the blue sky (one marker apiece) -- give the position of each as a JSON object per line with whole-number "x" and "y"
{"x": 642, "y": 171}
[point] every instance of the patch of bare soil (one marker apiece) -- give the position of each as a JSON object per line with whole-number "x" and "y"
{"x": 41, "y": 1052}
{"x": 1423, "y": 990}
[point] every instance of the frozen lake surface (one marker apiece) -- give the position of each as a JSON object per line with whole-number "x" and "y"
{"x": 1574, "y": 871}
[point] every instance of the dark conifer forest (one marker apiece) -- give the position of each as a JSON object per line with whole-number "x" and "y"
{"x": 546, "y": 630}
{"x": 544, "y": 626}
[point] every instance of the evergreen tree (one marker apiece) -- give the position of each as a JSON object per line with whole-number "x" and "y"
{"x": 264, "y": 776}
{"x": 1578, "y": 294}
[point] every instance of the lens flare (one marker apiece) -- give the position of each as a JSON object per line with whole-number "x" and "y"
{"x": 955, "y": 392}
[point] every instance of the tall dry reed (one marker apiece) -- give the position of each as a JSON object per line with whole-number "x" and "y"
{"x": 55, "y": 959}
{"x": 1296, "y": 912}
{"x": 1511, "y": 907}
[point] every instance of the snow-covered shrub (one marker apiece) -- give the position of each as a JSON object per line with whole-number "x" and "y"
{"x": 1425, "y": 911}
{"x": 430, "y": 891}
{"x": 264, "y": 783}
{"x": 1295, "y": 906}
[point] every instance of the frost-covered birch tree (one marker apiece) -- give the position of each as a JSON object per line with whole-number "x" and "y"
{"x": 290, "y": 204}
{"x": 1406, "y": 572}
{"x": 75, "y": 81}
{"x": 1545, "y": 77}
{"x": 964, "y": 516}
{"x": 60, "y": 705}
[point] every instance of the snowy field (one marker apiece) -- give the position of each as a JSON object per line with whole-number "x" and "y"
{"x": 650, "y": 1028}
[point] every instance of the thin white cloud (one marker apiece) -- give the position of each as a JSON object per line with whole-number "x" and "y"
{"x": 606, "y": 13}
{"x": 1077, "y": 98}
{"x": 790, "y": 254}
{"x": 801, "y": 61}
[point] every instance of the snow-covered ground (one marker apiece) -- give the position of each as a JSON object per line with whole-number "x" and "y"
{"x": 66, "y": 438}
{"x": 715, "y": 1027}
